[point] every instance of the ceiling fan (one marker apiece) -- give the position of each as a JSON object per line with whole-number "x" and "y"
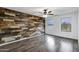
{"x": 46, "y": 12}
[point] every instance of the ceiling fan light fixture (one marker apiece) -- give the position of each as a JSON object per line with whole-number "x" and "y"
{"x": 45, "y": 16}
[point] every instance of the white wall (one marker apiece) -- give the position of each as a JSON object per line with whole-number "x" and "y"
{"x": 56, "y": 28}
{"x": 78, "y": 27}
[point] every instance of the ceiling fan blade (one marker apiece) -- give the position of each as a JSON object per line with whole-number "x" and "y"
{"x": 40, "y": 12}
{"x": 50, "y": 14}
{"x": 53, "y": 14}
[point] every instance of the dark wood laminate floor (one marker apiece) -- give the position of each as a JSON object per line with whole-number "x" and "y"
{"x": 43, "y": 43}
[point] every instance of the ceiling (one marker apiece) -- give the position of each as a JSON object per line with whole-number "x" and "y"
{"x": 37, "y": 10}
